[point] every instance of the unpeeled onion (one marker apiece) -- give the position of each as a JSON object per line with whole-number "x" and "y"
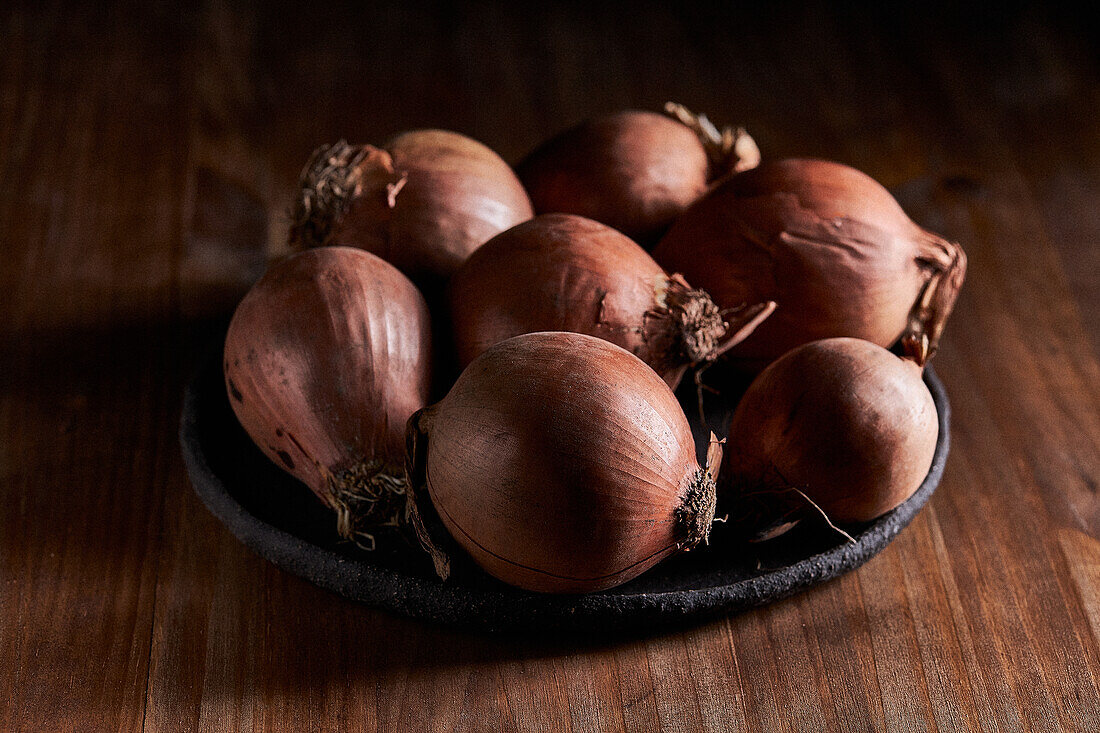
{"x": 561, "y": 463}
{"x": 326, "y": 358}
{"x": 635, "y": 171}
{"x": 423, "y": 202}
{"x": 826, "y": 242}
{"x": 839, "y": 426}
{"x": 559, "y": 272}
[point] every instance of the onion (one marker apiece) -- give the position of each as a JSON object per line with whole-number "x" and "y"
{"x": 326, "y": 358}
{"x": 561, "y": 463}
{"x": 423, "y": 203}
{"x": 830, "y": 245}
{"x": 839, "y": 426}
{"x": 635, "y": 171}
{"x": 559, "y": 272}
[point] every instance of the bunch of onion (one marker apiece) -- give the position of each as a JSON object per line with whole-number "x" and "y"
{"x": 559, "y": 272}
{"x": 561, "y": 463}
{"x": 632, "y": 170}
{"x": 326, "y": 358}
{"x": 838, "y": 427}
{"x": 826, "y": 242}
{"x": 423, "y": 202}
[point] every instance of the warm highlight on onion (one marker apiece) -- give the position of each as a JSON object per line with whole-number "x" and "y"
{"x": 561, "y": 463}
{"x": 634, "y": 171}
{"x": 559, "y": 272}
{"x": 326, "y": 358}
{"x": 826, "y": 242}
{"x": 423, "y": 202}
{"x": 840, "y": 426}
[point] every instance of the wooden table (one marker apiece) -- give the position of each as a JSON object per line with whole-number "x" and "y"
{"x": 147, "y": 162}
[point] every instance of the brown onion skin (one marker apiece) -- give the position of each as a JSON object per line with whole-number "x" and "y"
{"x": 846, "y": 422}
{"x": 635, "y": 171}
{"x": 560, "y": 272}
{"x": 560, "y": 463}
{"x": 826, "y": 242}
{"x": 326, "y": 358}
{"x": 428, "y": 199}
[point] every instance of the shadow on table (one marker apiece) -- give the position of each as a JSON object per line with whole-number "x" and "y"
{"x": 90, "y": 434}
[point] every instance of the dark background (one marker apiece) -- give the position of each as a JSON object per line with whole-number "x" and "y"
{"x": 148, "y": 154}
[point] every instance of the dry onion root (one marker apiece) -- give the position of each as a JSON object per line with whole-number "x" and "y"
{"x": 839, "y": 427}
{"x": 326, "y": 358}
{"x": 826, "y": 242}
{"x": 634, "y": 171}
{"x": 567, "y": 273}
{"x": 423, "y": 202}
{"x": 561, "y": 463}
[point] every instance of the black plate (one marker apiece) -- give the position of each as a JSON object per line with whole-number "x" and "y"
{"x": 275, "y": 515}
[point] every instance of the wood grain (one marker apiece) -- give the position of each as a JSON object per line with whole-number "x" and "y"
{"x": 147, "y": 161}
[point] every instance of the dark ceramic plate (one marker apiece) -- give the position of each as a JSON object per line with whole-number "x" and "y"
{"x": 276, "y": 516}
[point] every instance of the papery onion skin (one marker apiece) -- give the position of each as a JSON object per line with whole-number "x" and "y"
{"x": 561, "y": 463}
{"x": 841, "y": 422}
{"x": 326, "y": 358}
{"x": 423, "y": 202}
{"x": 633, "y": 170}
{"x": 826, "y": 242}
{"x": 567, "y": 273}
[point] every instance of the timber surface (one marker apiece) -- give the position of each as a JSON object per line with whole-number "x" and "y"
{"x": 147, "y": 160}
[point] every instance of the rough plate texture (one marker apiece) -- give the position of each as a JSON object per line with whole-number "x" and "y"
{"x": 276, "y": 516}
